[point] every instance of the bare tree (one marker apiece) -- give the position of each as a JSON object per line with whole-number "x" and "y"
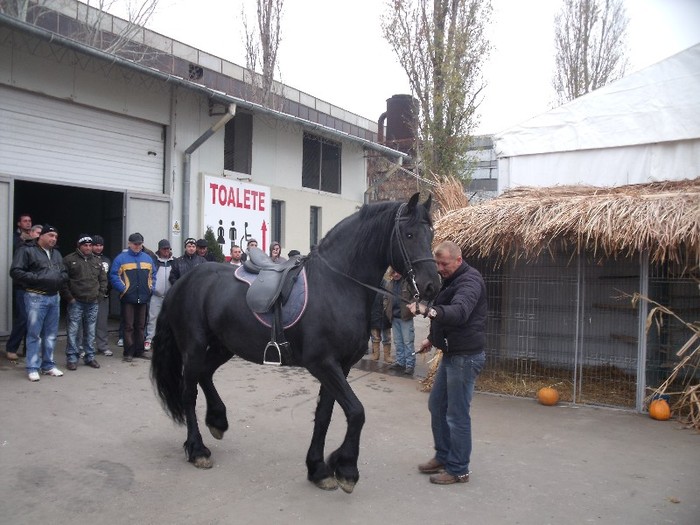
{"x": 590, "y": 45}
{"x": 261, "y": 45}
{"x": 118, "y": 39}
{"x": 95, "y": 26}
{"x": 442, "y": 46}
{"x": 15, "y": 8}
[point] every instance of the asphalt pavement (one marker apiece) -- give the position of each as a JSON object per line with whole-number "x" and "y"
{"x": 95, "y": 447}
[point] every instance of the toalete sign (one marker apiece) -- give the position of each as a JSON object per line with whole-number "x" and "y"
{"x": 236, "y": 212}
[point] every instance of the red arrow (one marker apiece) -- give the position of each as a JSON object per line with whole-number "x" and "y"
{"x": 263, "y": 229}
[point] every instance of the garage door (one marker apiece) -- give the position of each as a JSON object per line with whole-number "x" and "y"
{"x": 60, "y": 142}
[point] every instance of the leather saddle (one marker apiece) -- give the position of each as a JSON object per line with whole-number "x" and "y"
{"x": 275, "y": 281}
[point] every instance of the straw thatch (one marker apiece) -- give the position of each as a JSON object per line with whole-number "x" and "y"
{"x": 662, "y": 217}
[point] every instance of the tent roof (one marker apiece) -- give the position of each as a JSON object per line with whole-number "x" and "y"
{"x": 662, "y": 217}
{"x": 660, "y": 103}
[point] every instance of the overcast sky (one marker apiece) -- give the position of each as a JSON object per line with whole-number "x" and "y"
{"x": 334, "y": 49}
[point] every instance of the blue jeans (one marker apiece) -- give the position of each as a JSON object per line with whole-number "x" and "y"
{"x": 81, "y": 315}
{"x": 404, "y": 337}
{"x": 42, "y": 326}
{"x": 19, "y": 324}
{"x": 449, "y": 403}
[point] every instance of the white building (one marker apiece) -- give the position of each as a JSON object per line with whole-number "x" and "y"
{"x": 94, "y": 142}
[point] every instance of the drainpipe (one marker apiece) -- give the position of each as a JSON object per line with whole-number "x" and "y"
{"x": 187, "y": 168}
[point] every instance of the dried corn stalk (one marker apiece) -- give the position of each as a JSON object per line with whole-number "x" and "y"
{"x": 687, "y": 404}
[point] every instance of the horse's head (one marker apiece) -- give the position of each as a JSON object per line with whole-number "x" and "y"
{"x": 411, "y": 247}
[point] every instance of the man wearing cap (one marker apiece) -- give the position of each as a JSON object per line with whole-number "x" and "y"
{"x": 186, "y": 261}
{"x": 163, "y": 264}
{"x": 203, "y": 250}
{"x": 87, "y": 282}
{"x": 101, "y": 332}
{"x": 132, "y": 276}
{"x": 40, "y": 272}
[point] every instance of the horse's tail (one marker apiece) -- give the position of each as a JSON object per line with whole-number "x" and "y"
{"x": 166, "y": 368}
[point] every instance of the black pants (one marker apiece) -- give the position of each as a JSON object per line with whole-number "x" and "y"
{"x": 134, "y": 316}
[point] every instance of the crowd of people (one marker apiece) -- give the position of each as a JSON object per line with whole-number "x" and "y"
{"x": 84, "y": 278}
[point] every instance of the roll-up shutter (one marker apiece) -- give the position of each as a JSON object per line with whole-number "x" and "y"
{"x": 45, "y": 139}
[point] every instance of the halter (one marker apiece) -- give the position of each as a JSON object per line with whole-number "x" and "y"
{"x": 408, "y": 264}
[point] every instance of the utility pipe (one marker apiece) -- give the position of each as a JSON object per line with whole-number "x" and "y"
{"x": 187, "y": 166}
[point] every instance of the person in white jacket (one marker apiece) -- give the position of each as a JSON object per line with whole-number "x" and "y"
{"x": 163, "y": 263}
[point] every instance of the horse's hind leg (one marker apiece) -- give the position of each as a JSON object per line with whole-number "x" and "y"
{"x": 197, "y": 453}
{"x": 318, "y": 472}
{"x": 216, "y": 419}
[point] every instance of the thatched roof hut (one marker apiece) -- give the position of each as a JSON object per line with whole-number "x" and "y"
{"x": 661, "y": 217}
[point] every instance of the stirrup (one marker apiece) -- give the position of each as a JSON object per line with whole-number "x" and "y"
{"x": 274, "y": 345}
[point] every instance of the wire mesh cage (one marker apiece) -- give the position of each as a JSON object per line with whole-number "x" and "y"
{"x": 568, "y": 321}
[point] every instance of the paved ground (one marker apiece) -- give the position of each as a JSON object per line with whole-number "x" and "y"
{"x": 95, "y": 447}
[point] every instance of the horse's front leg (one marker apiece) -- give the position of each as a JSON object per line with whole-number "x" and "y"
{"x": 318, "y": 472}
{"x": 343, "y": 461}
{"x": 196, "y": 452}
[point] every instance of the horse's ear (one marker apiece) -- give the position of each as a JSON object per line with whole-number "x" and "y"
{"x": 428, "y": 202}
{"x": 413, "y": 201}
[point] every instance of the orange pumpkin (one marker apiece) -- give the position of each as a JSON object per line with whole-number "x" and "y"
{"x": 548, "y": 396}
{"x": 660, "y": 410}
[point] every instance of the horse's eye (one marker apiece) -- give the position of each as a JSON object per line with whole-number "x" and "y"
{"x": 409, "y": 236}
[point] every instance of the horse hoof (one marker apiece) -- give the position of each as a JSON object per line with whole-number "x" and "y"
{"x": 202, "y": 462}
{"x": 347, "y": 485}
{"x": 327, "y": 484}
{"x": 218, "y": 434}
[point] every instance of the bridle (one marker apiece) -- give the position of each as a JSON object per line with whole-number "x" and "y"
{"x": 409, "y": 273}
{"x": 407, "y": 262}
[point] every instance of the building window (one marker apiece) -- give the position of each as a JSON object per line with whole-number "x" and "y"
{"x": 276, "y": 217}
{"x": 321, "y": 164}
{"x": 315, "y": 226}
{"x": 238, "y": 143}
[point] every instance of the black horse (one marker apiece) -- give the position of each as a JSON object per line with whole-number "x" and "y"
{"x": 205, "y": 321}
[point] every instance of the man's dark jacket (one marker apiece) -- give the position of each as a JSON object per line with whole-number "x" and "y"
{"x": 32, "y": 270}
{"x": 184, "y": 264}
{"x": 461, "y": 306}
{"x": 87, "y": 281}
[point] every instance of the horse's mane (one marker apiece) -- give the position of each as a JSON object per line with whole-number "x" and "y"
{"x": 359, "y": 233}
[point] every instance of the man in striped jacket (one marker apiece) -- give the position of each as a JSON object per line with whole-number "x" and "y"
{"x": 133, "y": 277}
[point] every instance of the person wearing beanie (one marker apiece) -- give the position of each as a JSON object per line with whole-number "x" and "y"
{"x": 163, "y": 264}
{"x": 87, "y": 282}
{"x": 133, "y": 277}
{"x": 40, "y": 272}
{"x": 186, "y": 261}
{"x": 101, "y": 328}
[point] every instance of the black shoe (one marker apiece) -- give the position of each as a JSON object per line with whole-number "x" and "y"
{"x": 93, "y": 364}
{"x": 127, "y": 359}
{"x": 408, "y": 371}
{"x": 72, "y": 366}
{"x": 144, "y": 355}
{"x": 396, "y": 366}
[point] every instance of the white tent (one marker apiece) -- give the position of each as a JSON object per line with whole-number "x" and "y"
{"x": 642, "y": 128}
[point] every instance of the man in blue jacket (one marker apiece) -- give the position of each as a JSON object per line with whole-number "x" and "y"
{"x": 133, "y": 277}
{"x": 458, "y": 328}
